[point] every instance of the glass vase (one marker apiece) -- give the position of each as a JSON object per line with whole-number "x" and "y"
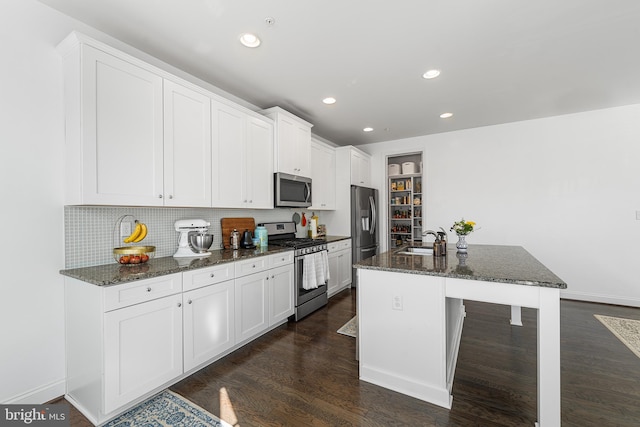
{"x": 462, "y": 245}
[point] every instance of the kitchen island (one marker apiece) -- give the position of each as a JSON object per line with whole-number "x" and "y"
{"x": 411, "y": 313}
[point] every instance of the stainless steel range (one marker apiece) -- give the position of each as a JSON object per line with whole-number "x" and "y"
{"x": 310, "y": 292}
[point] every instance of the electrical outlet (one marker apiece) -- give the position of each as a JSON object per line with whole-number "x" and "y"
{"x": 125, "y": 229}
{"x": 397, "y": 303}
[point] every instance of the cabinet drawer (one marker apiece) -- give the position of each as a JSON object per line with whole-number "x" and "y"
{"x": 250, "y": 266}
{"x": 339, "y": 245}
{"x": 207, "y": 276}
{"x": 127, "y": 294}
{"x": 280, "y": 259}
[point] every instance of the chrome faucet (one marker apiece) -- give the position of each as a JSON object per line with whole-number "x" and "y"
{"x": 424, "y": 233}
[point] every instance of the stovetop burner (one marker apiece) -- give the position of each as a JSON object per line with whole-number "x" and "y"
{"x": 301, "y": 242}
{"x": 284, "y": 234}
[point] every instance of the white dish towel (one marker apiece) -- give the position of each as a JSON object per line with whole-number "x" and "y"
{"x": 322, "y": 267}
{"x": 309, "y": 280}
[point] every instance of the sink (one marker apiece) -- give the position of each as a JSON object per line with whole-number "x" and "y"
{"x": 415, "y": 251}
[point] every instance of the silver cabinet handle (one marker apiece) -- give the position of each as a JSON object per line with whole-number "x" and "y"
{"x": 213, "y": 275}
{"x": 179, "y": 304}
{"x": 273, "y": 276}
{"x": 148, "y": 288}
{"x": 253, "y": 266}
{"x": 170, "y": 196}
{"x": 160, "y": 196}
{"x": 189, "y": 302}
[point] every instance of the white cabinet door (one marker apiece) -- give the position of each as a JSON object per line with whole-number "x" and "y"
{"x": 121, "y": 122}
{"x": 292, "y": 144}
{"x": 259, "y": 172}
{"x": 302, "y": 149}
{"x": 242, "y": 149}
{"x": 334, "y": 272}
{"x": 187, "y": 147}
{"x": 228, "y": 174}
{"x": 360, "y": 169}
{"x": 344, "y": 268}
{"x": 339, "y": 266}
{"x": 287, "y": 151}
{"x": 280, "y": 293}
{"x": 323, "y": 175}
{"x": 252, "y": 305}
{"x": 209, "y": 324}
{"x": 142, "y": 349}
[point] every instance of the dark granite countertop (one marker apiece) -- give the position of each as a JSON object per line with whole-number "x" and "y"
{"x": 491, "y": 263}
{"x": 113, "y": 274}
{"x": 331, "y": 239}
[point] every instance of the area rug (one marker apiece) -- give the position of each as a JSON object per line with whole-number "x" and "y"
{"x": 350, "y": 328}
{"x": 167, "y": 409}
{"x": 626, "y": 330}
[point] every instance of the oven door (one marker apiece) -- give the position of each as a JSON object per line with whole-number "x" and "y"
{"x": 303, "y": 295}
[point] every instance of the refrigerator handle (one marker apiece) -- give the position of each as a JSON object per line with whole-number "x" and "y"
{"x": 372, "y": 203}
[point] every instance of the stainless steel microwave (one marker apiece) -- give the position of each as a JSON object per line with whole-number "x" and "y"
{"x": 291, "y": 191}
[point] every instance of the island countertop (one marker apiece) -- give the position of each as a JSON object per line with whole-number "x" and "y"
{"x": 491, "y": 263}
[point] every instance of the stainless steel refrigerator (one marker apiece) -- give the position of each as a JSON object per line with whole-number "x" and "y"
{"x": 364, "y": 225}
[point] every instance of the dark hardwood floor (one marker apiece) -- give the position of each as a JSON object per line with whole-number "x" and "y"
{"x": 304, "y": 374}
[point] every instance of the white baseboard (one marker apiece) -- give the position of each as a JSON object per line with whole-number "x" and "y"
{"x": 39, "y": 395}
{"x": 599, "y": 298}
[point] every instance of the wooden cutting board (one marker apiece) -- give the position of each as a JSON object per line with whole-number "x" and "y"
{"x": 240, "y": 224}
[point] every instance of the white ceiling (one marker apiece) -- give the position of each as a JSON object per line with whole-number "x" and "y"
{"x": 501, "y": 60}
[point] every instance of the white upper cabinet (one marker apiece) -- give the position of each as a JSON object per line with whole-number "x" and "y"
{"x": 259, "y": 163}
{"x": 228, "y": 151}
{"x": 242, "y": 152}
{"x": 114, "y": 135}
{"x": 360, "y": 169}
{"x": 354, "y": 166}
{"x": 323, "y": 176}
{"x": 292, "y": 148}
{"x": 140, "y": 136}
{"x": 187, "y": 147}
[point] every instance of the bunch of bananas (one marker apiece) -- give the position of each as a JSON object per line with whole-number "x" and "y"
{"x": 139, "y": 233}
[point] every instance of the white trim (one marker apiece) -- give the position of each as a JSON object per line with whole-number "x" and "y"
{"x": 600, "y": 298}
{"x": 39, "y": 395}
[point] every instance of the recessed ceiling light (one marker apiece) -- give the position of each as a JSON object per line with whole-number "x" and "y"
{"x": 329, "y": 100}
{"x": 368, "y": 129}
{"x": 446, "y": 115}
{"x": 431, "y": 74}
{"x": 249, "y": 40}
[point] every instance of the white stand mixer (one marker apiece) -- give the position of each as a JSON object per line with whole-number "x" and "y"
{"x": 184, "y": 227}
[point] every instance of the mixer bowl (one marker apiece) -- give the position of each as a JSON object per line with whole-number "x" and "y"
{"x": 200, "y": 242}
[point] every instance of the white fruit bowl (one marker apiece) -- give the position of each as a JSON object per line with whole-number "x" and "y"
{"x": 133, "y": 255}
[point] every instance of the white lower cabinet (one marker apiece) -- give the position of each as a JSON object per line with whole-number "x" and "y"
{"x": 339, "y": 266}
{"x": 142, "y": 349}
{"x": 125, "y": 342}
{"x": 280, "y": 294}
{"x": 209, "y": 323}
{"x": 252, "y": 308}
